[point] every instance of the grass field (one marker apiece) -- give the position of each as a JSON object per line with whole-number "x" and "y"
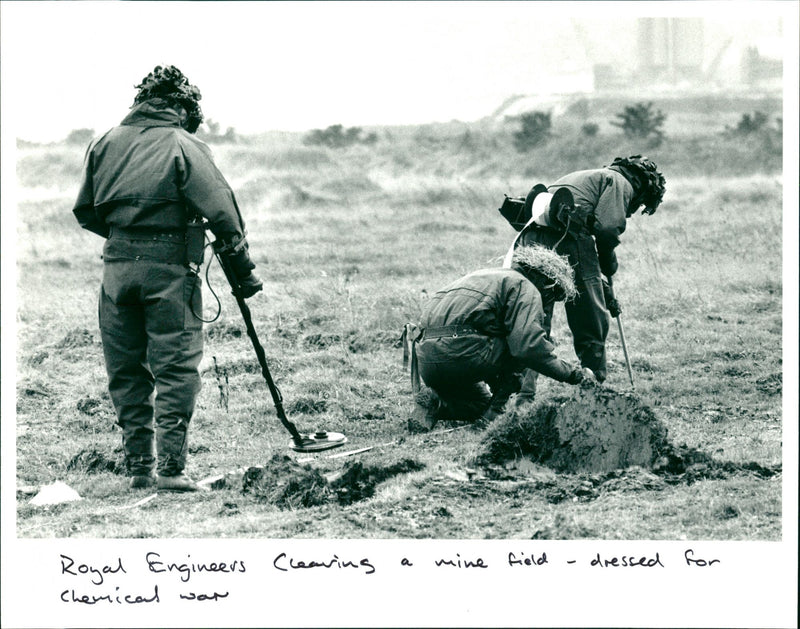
{"x": 349, "y": 243}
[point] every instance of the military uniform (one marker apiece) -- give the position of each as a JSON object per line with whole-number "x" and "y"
{"x": 605, "y": 194}
{"x": 483, "y": 330}
{"x": 142, "y": 183}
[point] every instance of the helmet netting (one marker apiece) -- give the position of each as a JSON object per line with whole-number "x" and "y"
{"x": 169, "y": 83}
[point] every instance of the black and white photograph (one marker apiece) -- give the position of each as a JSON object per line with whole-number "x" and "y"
{"x": 399, "y": 314}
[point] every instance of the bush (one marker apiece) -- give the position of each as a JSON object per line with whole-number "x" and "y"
{"x": 640, "y": 121}
{"x": 535, "y": 130}
{"x": 748, "y": 125}
{"x": 336, "y": 136}
{"x": 80, "y": 137}
{"x": 590, "y": 129}
{"x": 209, "y": 132}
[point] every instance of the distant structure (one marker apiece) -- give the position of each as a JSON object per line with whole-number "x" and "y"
{"x": 674, "y": 51}
{"x": 667, "y": 56}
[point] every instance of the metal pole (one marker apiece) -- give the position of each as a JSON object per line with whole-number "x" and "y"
{"x": 622, "y": 339}
{"x": 277, "y": 398}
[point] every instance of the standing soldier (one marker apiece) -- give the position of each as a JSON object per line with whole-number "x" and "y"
{"x": 148, "y": 187}
{"x": 582, "y": 216}
{"x": 484, "y": 330}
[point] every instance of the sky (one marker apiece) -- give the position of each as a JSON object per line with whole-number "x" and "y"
{"x": 302, "y": 65}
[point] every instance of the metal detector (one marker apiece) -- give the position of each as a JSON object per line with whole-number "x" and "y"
{"x": 312, "y": 442}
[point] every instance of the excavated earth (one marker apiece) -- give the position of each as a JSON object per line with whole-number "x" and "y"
{"x": 601, "y": 435}
{"x": 288, "y": 484}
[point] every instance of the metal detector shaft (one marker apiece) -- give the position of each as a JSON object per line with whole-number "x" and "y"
{"x": 277, "y": 398}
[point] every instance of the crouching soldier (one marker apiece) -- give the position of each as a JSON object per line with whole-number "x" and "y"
{"x": 147, "y": 185}
{"x": 476, "y": 335}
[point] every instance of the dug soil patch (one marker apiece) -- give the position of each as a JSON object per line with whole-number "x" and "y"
{"x": 598, "y": 431}
{"x": 93, "y": 461}
{"x": 594, "y": 430}
{"x": 289, "y": 485}
{"x": 286, "y": 483}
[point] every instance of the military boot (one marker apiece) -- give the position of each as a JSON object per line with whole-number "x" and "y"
{"x": 142, "y": 481}
{"x": 427, "y": 406}
{"x": 181, "y": 482}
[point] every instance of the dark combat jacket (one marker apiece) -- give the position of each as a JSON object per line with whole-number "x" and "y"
{"x": 607, "y": 194}
{"x": 504, "y": 305}
{"x": 149, "y": 173}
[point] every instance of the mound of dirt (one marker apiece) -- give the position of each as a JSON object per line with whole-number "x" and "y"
{"x": 595, "y": 430}
{"x": 77, "y": 337}
{"x": 289, "y": 485}
{"x": 89, "y": 405}
{"x": 358, "y": 481}
{"x": 91, "y": 461}
{"x": 286, "y": 483}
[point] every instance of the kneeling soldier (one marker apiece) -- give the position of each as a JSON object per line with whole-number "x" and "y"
{"x": 481, "y": 331}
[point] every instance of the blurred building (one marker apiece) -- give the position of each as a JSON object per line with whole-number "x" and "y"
{"x": 688, "y": 52}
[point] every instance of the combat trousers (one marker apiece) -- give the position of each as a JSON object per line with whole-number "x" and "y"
{"x": 471, "y": 374}
{"x": 152, "y": 345}
{"x": 587, "y": 316}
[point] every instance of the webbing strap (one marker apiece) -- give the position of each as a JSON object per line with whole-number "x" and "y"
{"x": 411, "y": 334}
{"x": 448, "y": 330}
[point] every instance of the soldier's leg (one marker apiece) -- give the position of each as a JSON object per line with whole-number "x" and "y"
{"x": 502, "y": 386}
{"x": 130, "y": 382}
{"x": 588, "y": 321}
{"x": 175, "y": 349}
{"x": 455, "y": 369}
{"x": 527, "y": 391}
{"x": 465, "y": 402}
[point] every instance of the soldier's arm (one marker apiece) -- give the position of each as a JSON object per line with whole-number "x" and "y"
{"x": 84, "y": 205}
{"x": 206, "y": 192}
{"x": 610, "y": 222}
{"x": 527, "y": 340}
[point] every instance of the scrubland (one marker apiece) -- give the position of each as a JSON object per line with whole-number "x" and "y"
{"x": 350, "y": 242}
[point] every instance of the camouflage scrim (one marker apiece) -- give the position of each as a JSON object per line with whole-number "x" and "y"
{"x": 541, "y": 259}
{"x": 169, "y": 83}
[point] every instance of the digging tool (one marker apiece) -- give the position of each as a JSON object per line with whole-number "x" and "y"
{"x": 312, "y": 442}
{"x": 622, "y": 337}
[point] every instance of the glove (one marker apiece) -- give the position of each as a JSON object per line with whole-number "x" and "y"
{"x": 250, "y": 285}
{"x": 236, "y": 253}
{"x": 612, "y": 305}
{"x": 581, "y": 375}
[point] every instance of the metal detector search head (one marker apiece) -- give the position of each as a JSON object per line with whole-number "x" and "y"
{"x": 320, "y": 440}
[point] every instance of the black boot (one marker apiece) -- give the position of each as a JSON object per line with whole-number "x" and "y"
{"x": 426, "y": 411}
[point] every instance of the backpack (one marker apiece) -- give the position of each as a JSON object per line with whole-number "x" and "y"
{"x": 562, "y": 213}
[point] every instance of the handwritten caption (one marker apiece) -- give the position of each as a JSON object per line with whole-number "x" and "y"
{"x": 91, "y": 583}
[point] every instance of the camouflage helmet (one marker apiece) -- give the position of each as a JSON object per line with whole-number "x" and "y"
{"x": 648, "y": 184}
{"x": 169, "y": 83}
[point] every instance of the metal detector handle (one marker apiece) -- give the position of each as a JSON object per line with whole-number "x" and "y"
{"x": 277, "y": 398}
{"x": 622, "y": 337}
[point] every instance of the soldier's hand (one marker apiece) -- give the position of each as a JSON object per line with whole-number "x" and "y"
{"x": 612, "y": 305}
{"x": 577, "y": 376}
